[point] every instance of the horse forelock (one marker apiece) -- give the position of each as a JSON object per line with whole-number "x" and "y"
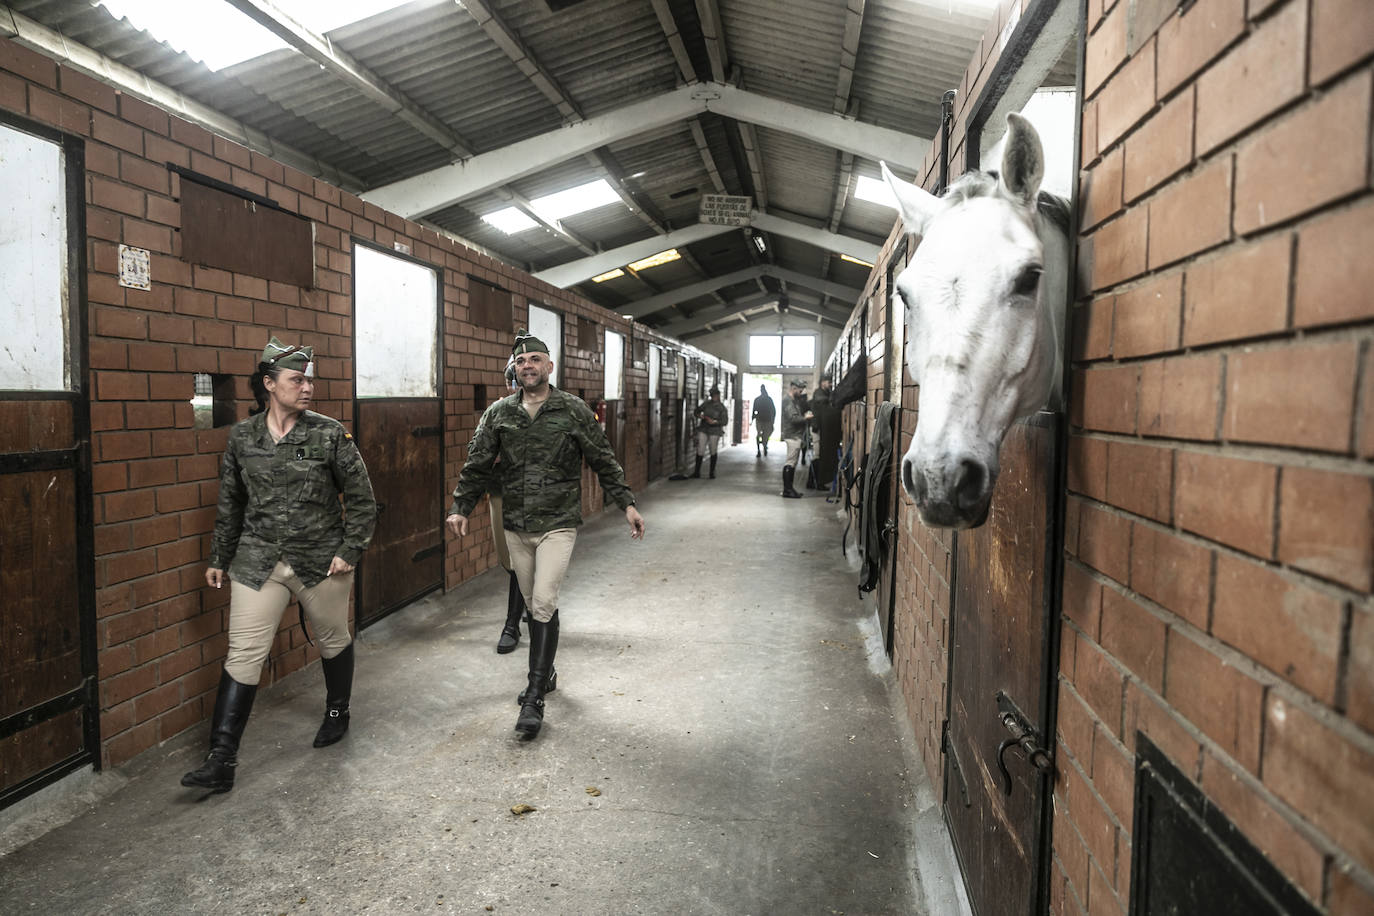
{"x": 1051, "y": 208}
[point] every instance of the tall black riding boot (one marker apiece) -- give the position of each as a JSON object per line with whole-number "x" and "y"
{"x": 787, "y": 472}
{"x": 543, "y": 646}
{"x": 233, "y": 703}
{"x": 713, "y": 467}
{"x": 338, "y": 687}
{"x": 550, "y": 682}
{"x": 515, "y": 609}
{"x": 697, "y": 472}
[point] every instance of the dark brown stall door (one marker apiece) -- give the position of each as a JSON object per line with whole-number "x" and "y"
{"x": 615, "y": 429}
{"x": 998, "y": 669}
{"x": 47, "y": 714}
{"x": 399, "y": 441}
{"x": 655, "y": 438}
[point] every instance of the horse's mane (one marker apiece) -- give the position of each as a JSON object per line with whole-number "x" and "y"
{"x": 1051, "y": 207}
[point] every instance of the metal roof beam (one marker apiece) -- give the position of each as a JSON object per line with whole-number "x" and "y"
{"x": 574, "y": 272}
{"x": 447, "y": 185}
{"x": 344, "y": 68}
{"x": 641, "y": 307}
{"x": 668, "y": 23}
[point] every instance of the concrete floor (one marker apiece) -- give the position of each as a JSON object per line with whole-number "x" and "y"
{"x": 721, "y": 688}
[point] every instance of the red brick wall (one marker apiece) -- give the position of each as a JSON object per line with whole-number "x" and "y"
{"x": 1218, "y": 572}
{"x": 161, "y": 633}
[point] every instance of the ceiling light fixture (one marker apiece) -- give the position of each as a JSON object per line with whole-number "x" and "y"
{"x": 608, "y": 275}
{"x": 853, "y": 260}
{"x": 759, "y": 243}
{"x": 653, "y": 260}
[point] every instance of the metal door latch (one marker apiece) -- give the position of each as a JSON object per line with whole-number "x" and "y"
{"x": 1024, "y": 735}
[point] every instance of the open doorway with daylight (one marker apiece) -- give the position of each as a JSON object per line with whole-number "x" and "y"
{"x": 750, "y": 401}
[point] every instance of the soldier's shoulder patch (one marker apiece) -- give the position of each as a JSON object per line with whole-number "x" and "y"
{"x": 348, "y": 435}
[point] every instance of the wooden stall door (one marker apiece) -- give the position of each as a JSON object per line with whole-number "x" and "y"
{"x": 998, "y": 671}
{"x": 47, "y": 689}
{"x": 656, "y": 407}
{"x": 399, "y": 441}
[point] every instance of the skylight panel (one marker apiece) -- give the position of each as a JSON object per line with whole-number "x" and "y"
{"x": 219, "y": 36}
{"x": 875, "y": 191}
{"x": 580, "y": 199}
{"x": 509, "y": 221}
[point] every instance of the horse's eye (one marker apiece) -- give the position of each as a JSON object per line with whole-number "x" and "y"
{"x": 1026, "y": 281}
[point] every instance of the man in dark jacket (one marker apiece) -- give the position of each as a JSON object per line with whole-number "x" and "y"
{"x": 765, "y": 412}
{"x": 541, "y": 435}
{"x": 826, "y": 425}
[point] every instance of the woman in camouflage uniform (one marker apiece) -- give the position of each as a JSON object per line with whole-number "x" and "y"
{"x": 279, "y": 533}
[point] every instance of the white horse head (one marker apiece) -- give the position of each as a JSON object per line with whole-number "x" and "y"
{"x": 984, "y": 295}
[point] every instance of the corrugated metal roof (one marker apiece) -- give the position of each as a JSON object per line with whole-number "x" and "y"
{"x": 598, "y": 56}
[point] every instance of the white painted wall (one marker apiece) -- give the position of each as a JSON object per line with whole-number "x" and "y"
{"x": 396, "y": 319}
{"x": 732, "y": 343}
{"x": 33, "y": 265}
{"x": 1051, "y": 112}
{"x": 548, "y": 327}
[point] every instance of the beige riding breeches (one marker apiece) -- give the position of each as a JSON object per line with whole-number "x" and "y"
{"x": 540, "y": 562}
{"x": 707, "y": 441}
{"x": 793, "y": 451}
{"x": 254, "y": 616}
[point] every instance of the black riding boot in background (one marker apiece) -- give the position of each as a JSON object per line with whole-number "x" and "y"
{"x": 543, "y": 646}
{"x": 233, "y": 703}
{"x": 515, "y": 609}
{"x": 697, "y": 472}
{"x": 338, "y": 687}
{"x": 787, "y": 472}
{"x": 713, "y": 467}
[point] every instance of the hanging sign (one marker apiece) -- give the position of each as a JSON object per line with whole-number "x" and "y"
{"x": 724, "y": 210}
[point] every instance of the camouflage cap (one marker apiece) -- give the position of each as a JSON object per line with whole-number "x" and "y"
{"x": 285, "y": 356}
{"x": 526, "y": 342}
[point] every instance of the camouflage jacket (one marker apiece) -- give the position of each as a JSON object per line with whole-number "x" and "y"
{"x": 281, "y": 501}
{"x": 540, "y": 469}
{"x": 716, "y": 411}
{"x": 793, "y": 418}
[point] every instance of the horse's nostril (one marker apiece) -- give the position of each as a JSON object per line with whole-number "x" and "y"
{"x": 969, "y": 483}
{"x": 913, "y": 483}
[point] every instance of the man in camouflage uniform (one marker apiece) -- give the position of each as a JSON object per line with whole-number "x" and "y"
{"x": 794, "y": 419}
{"x": 711, "y": 420}
{"x": 541, "y": 436}
{"x": 279, "y": 533}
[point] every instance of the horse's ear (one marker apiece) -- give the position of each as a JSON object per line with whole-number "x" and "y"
{"x": 1023, "y": 160}
{"x": 916, "y": 205}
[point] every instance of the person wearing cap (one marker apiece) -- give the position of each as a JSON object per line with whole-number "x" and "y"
{"x": 541, "y": 435}
{"x": 509, "y": 639}
{"x": 794, "y": 420}
{"x": 712, "y": 418}
{"x": 765, "y": 412}
{"x": 279, "y": 532}
{"x": 826, "y": 427}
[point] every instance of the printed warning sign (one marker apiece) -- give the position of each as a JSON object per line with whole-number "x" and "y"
{"x": 724, "y": 210}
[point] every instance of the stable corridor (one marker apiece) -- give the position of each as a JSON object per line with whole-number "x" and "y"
{"x": 725, "y": 738}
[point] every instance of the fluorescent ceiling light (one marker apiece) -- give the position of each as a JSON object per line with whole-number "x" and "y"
{"x": 653, "y": 260}
{"x": 853, "y": 260}
{"x": 219, "y": 36}
{"x": 608, "y": 275}
{"x": 876, "y": 191}
{"x": 509, "y": 221}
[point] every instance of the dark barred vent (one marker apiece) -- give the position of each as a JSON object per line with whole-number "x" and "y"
{"x": 1188, "y": 858}
{"x": 556, "y": 5}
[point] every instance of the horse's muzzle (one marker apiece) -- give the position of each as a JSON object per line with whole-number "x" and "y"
{"x": 954, "y": 493}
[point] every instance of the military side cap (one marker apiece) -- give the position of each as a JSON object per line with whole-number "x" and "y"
{"x": 527, "y": 343}
{"x": 286, "y": 356}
